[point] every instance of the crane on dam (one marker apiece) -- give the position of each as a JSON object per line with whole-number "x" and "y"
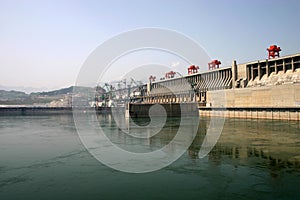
{"x": 273, "y": 51}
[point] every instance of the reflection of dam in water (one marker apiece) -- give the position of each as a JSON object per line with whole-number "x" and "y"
{"x": 42, "y": 155}
{"x": 249, "y": 142}
{"x": 272, "y": 144}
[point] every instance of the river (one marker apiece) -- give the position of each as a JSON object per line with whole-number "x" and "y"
{"x": 42, "y": 157}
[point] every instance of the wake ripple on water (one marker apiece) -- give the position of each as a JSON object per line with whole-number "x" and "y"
{"x": 14, "y": 175}
{"x": 12, "y": 181}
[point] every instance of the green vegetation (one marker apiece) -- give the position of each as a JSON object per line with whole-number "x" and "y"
{"x": 12, "y": 95}
{"x": 20, "y": 98}
{"x": 62, "y": 91}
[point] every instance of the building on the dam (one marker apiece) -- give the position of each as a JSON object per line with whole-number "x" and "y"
{"x": 261, "y": 86}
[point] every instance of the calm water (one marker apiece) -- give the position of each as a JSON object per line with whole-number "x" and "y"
{"x": 41, "y": 157}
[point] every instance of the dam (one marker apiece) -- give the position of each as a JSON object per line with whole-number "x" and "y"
{"x": 268, "y": 88}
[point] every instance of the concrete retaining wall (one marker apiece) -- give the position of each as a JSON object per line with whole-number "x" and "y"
{"x": 171, "y": 109}
{"x": 276, "y": 96}
{"x": 253, "y": 113}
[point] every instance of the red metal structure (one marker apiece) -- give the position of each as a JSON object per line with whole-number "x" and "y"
{"x": 214, "y": 64}
{"x": 273, "y": 51}
{"x": 193, "y": 69}
{"x": 170, "y": 74}
{"x": 152, "y": 78}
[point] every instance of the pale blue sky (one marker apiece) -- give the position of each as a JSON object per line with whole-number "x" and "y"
{"x": 44, "y": 43}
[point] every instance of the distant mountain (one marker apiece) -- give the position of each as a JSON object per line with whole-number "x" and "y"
{"x": 62, "y": 91}
{"x": 19, "y": 98}
{"x": 65, "y": 91}
{"x": 27, "y": 90}
{"x": 12, "y": 95}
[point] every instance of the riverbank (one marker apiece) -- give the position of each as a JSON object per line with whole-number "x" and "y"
{"x": 141, "y": 110}
{"x": 47, "y": 110}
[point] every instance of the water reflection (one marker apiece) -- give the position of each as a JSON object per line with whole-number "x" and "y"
{"x": 262, "y": 143}
{"x": 274, "y": 145}
{"x": 42, "y": 156}
{"x": 125, "y": 137}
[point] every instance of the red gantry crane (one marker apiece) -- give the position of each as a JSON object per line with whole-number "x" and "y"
{"x": 214, "y": 64}
{"x": 193, "y": 69}
{"x": 152, "y": 78}
{"x": 170, "y": 74}
{"x": 273, "y": 51}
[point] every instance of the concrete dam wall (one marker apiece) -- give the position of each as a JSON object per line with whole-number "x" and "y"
{"x": 267, "y": 88}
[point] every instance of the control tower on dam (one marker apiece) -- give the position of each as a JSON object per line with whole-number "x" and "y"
{"x": 271, "y": 86}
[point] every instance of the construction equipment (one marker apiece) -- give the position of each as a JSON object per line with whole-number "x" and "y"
{"x": 170, "y": 74}
{"x": 214, "y": 64}
{"x": 273, "y": 51}
{"x": 152, "y": 78}
{"x": 193, "y": 69}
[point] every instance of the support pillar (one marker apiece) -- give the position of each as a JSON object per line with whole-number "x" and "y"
{"x": 259, "y": 70}
{"x": 293, "y": 65}
{"x": 234, "y": 73}
{"x": 252, "y": 72}
{"x": 248, "y": 74}
{"x": 267, "y": 68}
